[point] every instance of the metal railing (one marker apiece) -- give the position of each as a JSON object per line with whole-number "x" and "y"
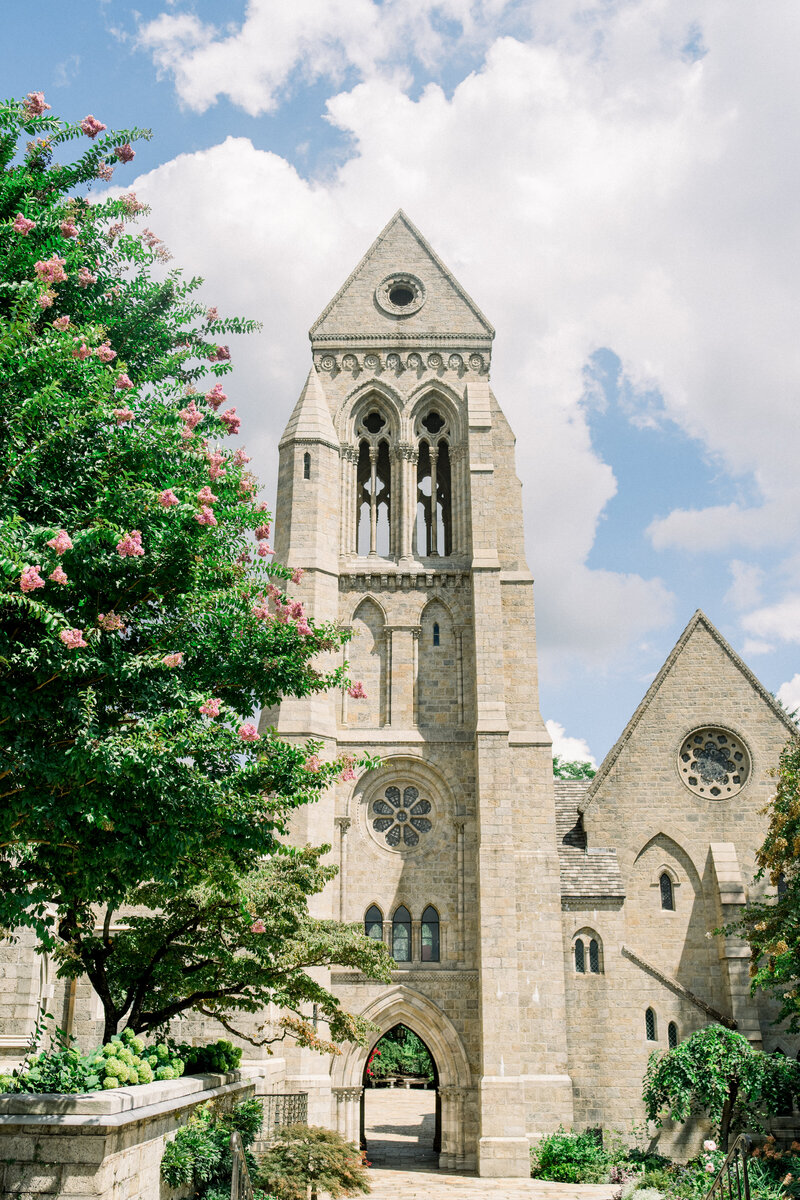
{"x": 241, "y": 1187}
{"x": 279, "y": 1111}
{"x": 732, "y": 1182}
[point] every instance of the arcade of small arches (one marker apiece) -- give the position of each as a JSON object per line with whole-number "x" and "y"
{"x": 398, "y": 932}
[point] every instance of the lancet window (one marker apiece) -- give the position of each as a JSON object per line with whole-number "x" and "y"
{"x": 373, "y": 486}
{"x": 434, "y": 525}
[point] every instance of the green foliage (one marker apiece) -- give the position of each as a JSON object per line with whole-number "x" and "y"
{"x": 199, "y": 1155}
{"x": 572, "y": 770}
{"x": 716, "y": 1071}
{"x": 217, "y": 1057}
{"x": 306, "y": 1155}
{"x": 570, "y": 1157}
{"x": 400, "y": 1052}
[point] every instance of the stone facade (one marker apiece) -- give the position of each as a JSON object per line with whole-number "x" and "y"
{"x": 573, "y": 919}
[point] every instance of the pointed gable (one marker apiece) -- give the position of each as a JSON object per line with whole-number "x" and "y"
{"x": 699, "y": 625}
{"x": 311, "y": 418}
{"x": 355, "y": 315}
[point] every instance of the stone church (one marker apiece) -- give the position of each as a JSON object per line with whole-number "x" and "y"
{"x": 548, "y": 935}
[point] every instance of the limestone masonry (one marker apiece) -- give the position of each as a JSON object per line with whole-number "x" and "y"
{"x": 548, "y": 935}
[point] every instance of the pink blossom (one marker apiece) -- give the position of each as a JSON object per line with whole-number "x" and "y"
{"x": 123, "y": 383}
{"x": 205, "y": 516}
{"x": 68, "y": 229}
{"x": 124, "y": 152}
{"x": 30, "y": 579}
{"x": 85, "y": 277}
{"x": 122, "y": 415}
{"x": 110, "y": 622}
{"x": 240, "y": 458}
{"x": 262, "y": 532}
{"x": 167, "y": 498}
{"x": 211, "y": 315}
{"x": 710, "y": 1168}
{"x": 312, "y": 764}
{"x": 303, "y": 628}
{"x": 114, "y": 231}
{"x": 46, "y": 299}
{"x": 72, "y": 638}
{"x": 23, "y": 225}
{"x": 709, "y": 1146}
{"x": 190, "y": 390}
{"x": 130, "y": 546}
{"x": 173, "y": 660}
{"x": 249, "y": 733}
{"x": 61, "y": 324}
{"x": 347, "y": 775}
{"x": 58, "y": 576}
{"x": 105, "y": 171}
{"x": 34, "y": 104}
{"x": 105, "y": 353}
{"x": 297, "y": 574}
{"x": 81, "y": 351}
{"x": 247, "y": 485}
{"x": 219, "y": 354}
{"x": 51, "y": 270}
{"x": 263, "y": 550}
{"x": 131, "y": 204}
{"x": 91, "y": 126}
{"x": 206, "y": 496}
{"x": 262, "y": 506}
{"x": 258, "y": 926}
{"x": 216, "y": 396}
{"x": 231, "y": 420}
{"x": 191, "y": 415}
{"x": 61, "y": 542}
{"x": 211, "y": 707}
{"x": 214, "y": 468}
{"x": 296, "y": 610}
{"x": 356, "y": 691}
{"x": 244, "y": 557}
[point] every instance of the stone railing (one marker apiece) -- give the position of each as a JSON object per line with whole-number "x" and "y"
{"x": 103, "y": 1145}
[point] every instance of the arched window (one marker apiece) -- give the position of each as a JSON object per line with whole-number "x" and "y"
{"x": 436, "y": 633}
{"x": 667, "y": 892}
{"x": 672, "y": 1035}
{"x": 373, "y": 487}
{"x": 650, "y": 1025}
{"x": 401, "y": 935}
{"x": 594, "y": 957}
{"x": 430, "y": 935}
{"x": 373, "y": 923}
{"x": 580, "y": 957}
{"x": 434, "y": 532}
{"x": 306, "y": 465}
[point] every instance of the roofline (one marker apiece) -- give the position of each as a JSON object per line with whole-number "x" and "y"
{"x": 401, "y": 216}
{"x": 699, "y": 618}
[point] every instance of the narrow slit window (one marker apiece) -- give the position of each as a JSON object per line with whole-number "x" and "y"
{"x": 594, "y": 957}
{"x": 373, "y": 923}
{"x": 667, "y": 893}
{"x": 401, "y": 935}
{"x": 580, "y": 957}
{"x": 650, "y": 1025}
{"x": 430, "y": 935}
{"x": 436, "y": 633}
{"x": 306, "y": 465}
{"x": 672, "y": 1035}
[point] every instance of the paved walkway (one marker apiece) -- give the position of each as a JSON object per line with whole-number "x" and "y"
{"x": 399, "y": 1131}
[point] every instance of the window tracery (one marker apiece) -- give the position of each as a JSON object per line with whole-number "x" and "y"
{"x": 650, "y": 1025}
{"x": 401, "y": 934}
{"x": 401, "y": 817}
{"x": 373, "y": 923}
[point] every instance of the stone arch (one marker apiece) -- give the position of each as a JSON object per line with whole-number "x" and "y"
{"x": 366, "y": 655}
{"x": 427, "y": 395}
{"x": 356, "y": 403}
{"x": 438, "y": 679}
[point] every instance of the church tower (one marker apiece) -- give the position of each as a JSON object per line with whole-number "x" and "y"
{"x": 398, "y": 497}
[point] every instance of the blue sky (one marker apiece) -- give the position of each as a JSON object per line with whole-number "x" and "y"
{"x": 617, "y": 186}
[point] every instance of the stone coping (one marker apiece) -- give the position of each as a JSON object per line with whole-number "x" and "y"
{"x": 119, "y": 1106}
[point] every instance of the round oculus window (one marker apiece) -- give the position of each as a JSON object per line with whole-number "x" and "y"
{"x": 399, "y": 819}
{"x": 714, "y": 763}
{"x": 400, "y": 295}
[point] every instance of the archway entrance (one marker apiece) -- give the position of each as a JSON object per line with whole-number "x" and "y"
{"x": 401, "y": 1117}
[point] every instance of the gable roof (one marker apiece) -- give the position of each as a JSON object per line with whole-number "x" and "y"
{"x": 586, "y": 874}
{"x": 448, "y": 312}
{"x": 699, "y": 619}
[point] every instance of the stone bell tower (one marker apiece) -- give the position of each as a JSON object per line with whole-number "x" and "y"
{"x": 398, "y": 496}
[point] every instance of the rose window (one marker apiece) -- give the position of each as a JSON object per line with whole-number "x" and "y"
{"x": 713, "y": 763}
{"x": 401, "y": 818}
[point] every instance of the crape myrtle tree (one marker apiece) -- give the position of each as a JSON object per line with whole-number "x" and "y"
{"x": 142, "y": 624}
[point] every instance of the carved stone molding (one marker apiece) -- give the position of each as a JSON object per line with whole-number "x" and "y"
{"x": 434, "y": 362}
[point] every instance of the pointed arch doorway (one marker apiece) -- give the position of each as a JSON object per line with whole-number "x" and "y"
{"x": 400, "y": 1118}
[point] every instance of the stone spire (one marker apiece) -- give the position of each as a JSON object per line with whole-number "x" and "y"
{"x": 311, "y": 418}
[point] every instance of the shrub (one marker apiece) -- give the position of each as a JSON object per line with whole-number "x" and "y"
{"x": 220, "y": 1057}
{"x": 306, "y": 1156}
{"x": 199, "y": 1155}
{"x": 570, "y": 1157}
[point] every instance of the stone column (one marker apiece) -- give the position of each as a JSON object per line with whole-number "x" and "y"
{"x": 408, "y": 498}
{"x": 387, "y": 675}
{"x": 348, "y": 513}
{"x": 342, "y": 824}
{"x": 451, "y": 1156}
{"x": 416, "y": 940}
{"x": 434, "y": 453}
{"x": 459, "y": 824}
{"x": 373, "y": 500}
{"x": 348, "y": 1100}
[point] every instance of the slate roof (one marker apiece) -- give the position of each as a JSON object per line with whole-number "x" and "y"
{"x": 585, "y": 873}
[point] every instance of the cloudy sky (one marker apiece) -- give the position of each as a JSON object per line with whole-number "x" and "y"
{"x": 616, "y": 184}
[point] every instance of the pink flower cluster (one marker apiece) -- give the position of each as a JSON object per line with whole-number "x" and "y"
{"x": 85, "y": 277}
{"x": 51, "y": 270}
{"x": 241, "y": 457}
{"x": 61, "y": 324}
{"x": 82, "y": 351}
{"x": 312, "y": 764}
{"x": 216, "y": 396}
{"x": 35, "y": 105}
{"x": 173, "y": 660}
{"x": 110, "y": 622}
{"x": 58, "y": 576}
{"x": 46, "y": 299}
{"x": 297, "y": 574}
{"x": 105, "y": 171}
{"x": 211, "y": 707}
{"x": 248, "y": 732}
{"x": 258, "y": 926}
{"x": 131, "y": 204}
{"x": 130, "y": 546}
{"x": 219, "y": 354}
{"x": 114, "y": 231}
{"x": 347, "y": 763}
{"x": 69, "y": 229}
{"x": 61, "y": 543}
{"x": 121, "y": 415}
{"x": 230, "y": 418}
{"x": 205, "y": 516}
{"x": 91, "y": 126}
{"x": 191, "y": 416}
{"x": 264, "y": 550}
{"x": 23, "y": 225}
{"x": 215, "y": 459}
{"x": 211, "y": 315}
{"x": 262, "y": 532}
{"x": 167, "y": 498}
{"x": 124, "y": 152}
{"x": 105, "y": 353}
{"x": 72, "y": 638}
{"x": 206, "y": 496}
{"x": 123, "y": 383}
{"x": 30, "y": 579}
{"x": 356, "y": 691}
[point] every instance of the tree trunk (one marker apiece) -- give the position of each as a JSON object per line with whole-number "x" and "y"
{"x": 727, "y": 1114}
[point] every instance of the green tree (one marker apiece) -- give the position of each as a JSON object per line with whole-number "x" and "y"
{"x": 717, "y": 1072}
{"x": 141, "y": 623}
{"x": 306, "y": 1157}
{"x": 572, "y": 770}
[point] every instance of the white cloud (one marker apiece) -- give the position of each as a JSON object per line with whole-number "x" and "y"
{"x": 789, "y": 693}
{"x": 569, "y": 749}
{"x": 593, "y": 187}
{"x": 747, "y": 581}
{"x": 780, "y": 621}
{"x": 752, "y": 647}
